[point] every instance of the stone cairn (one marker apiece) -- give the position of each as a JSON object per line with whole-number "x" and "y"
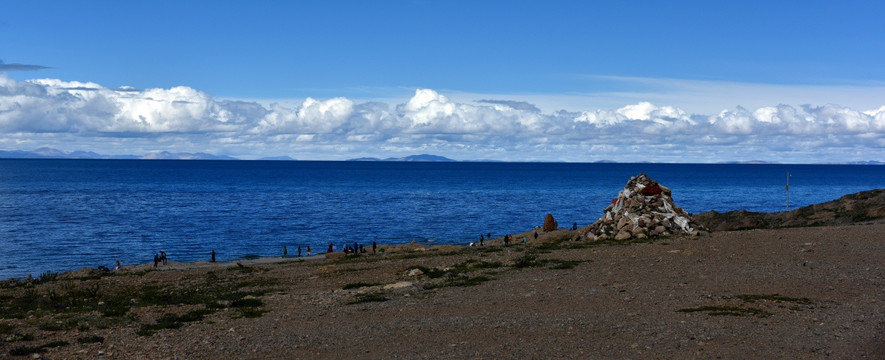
{"x": 643, "y": 209}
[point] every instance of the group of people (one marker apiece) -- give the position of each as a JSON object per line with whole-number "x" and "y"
{"x": 357, "y": 248}
{"x": 286, "y": 252}
{"x": 161, "y": 257}
{"x": 507, "y": 239}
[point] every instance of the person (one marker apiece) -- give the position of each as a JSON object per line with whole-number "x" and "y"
{"x": 299, "y": 250}
{"x": 374, "y": 247}
{"x": 156, "y": 260}
{"x": 213, "y": 255}
{"x": 118, "y": 266}
{"x": 536, "y": 235}
{"x": 163, "y": 257}
{"x": 575, "y": 226}
{"x": 308, "y": 250}
{"x": 285, "y": 252}
{"x": 489, "y": 236}
{"x": 480, "y": 239}
{"x": 331, "y": 247}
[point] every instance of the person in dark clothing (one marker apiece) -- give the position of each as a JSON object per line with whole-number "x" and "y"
{"x": 156, "y": 260}
{"x": 299, "y": 250}
{"x": 213, "y": 255}
{"x": 374, "y": 247}
{"x": 480, "y": 239}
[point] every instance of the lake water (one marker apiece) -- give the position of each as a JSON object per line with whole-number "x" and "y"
{"x": 58, "y": 215}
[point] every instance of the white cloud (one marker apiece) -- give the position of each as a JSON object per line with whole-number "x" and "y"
{"x": 87, "y": 116}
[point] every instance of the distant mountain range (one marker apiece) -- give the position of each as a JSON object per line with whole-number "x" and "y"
{"x": 412, "y": 158}
{"x": 50, "y": 153}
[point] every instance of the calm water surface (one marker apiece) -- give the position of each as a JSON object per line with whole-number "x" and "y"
{"x": 60, "y": 215}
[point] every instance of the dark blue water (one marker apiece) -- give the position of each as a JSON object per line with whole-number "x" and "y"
{"x": 66, "y": 214}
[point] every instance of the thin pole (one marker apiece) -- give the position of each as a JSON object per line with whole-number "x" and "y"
{"x": 788, "y": 191}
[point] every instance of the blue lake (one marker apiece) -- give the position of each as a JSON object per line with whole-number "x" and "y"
{"x": 58, "y": 215}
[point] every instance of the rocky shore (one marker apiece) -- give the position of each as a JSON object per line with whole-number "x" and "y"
{"x": 811, "y": 292}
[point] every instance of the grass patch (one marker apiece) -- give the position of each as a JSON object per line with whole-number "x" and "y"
{"x": 243, "y": 303}
{"x": 531, "y": 260}
{"x": 55, "y": 344}
{"x": 358, "y": 285}
{"x": 487, "y": 265}
{"x": 460, "y": 280}
{"x": 27, "y": 350}
{"x": 20, "y": 337}
{"x": 251, "y": 312}
{"x": 69, "y": 324}
{"x": 48, "y": 276}
{"x": 85, "y": 303}
{"x": 368, "y": 298}
{"x": 559, "y": 264}
{"x": 90, "y": 339}
{"x": 6, "y": 328}
{"x": 526, "y": 261}
{"x": 728, "y": 311}
{"x": 172, "y": 321}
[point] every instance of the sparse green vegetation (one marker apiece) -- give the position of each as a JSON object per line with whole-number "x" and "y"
{"x": 531, "y": 260}
{"x": 456, "y": 280}
{"x": 27, "y": 350}
{"x": 728, "y": 310}
{"x": 367, "y": 298}
{"x": 171, "y": 321}
{"x": 487, "y": 265}
{"x": 93, "y": 339}
{"x": 6, "y": 328}
{"x": 68, "y": 324}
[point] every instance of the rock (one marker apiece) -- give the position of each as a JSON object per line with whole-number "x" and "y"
{"x": 416, "y": 272}
{"x": 623, "y": 235}
{"x": 549, "y": 223}
{"x": 398, "y": 285}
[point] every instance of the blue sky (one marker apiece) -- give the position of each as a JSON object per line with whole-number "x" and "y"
{"x": 558, "y": 81}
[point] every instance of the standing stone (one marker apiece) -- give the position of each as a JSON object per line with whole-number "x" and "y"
{"x": 549, "y": 223}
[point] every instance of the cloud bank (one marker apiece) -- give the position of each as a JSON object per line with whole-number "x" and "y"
{"x": 75, "y": 115}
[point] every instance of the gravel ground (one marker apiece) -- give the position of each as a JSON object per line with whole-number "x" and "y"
{"x": 786, "y": 293}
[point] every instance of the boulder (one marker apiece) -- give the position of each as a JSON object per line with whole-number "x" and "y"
{"x": 549, "y": 223}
